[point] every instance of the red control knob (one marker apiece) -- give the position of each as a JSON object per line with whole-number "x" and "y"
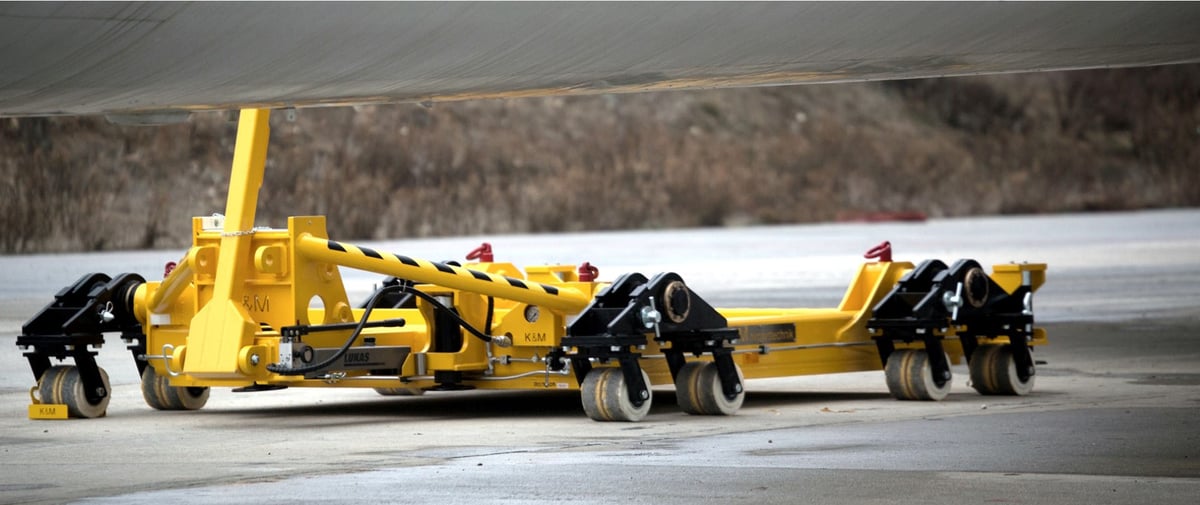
{"x": 483, "y": 253}
{"x": 883, "y": 252}
{"x": 588, "y": 272}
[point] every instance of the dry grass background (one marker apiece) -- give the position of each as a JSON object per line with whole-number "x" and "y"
{"x": 1036, "y": 143}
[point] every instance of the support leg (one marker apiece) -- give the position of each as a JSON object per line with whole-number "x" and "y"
{"x": 1022, "y": 358}
{"x": 937, "y": 360}
{"x": 731, "y": 385}
{"x": 639, "y": 390}
{"x": 39, "y": 363}
{"x": 886, "y": 348}
{"x": 94, "y": 388}
{"x": 675, "y": 362}
{"x": 223, "y": 327}
{"x": 969, "y": 344}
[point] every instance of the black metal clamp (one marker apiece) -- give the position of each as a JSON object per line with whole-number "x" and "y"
{"x": 75, "y": 322}
{"x": 620, "y": 318}
{"x": 932, "y": 298}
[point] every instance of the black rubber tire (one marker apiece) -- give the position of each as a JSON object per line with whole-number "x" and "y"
{"x": 993, "y": 372}
{"x": 61, "y": 384}
{"x": 910, "y": 377}
{"x": 160, "y": 395}
{"x": 605, "y": 397}
{"x": 400, "y": 391}
{"x": 698, "y": 390}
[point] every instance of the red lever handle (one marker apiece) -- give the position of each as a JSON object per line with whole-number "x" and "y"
{"x": 883, "y": 252}
{"x": 588, "y": 272}
{"x": 483, "y": 253}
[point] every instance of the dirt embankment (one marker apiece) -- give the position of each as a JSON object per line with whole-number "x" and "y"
{"x": 1052, "y": 142}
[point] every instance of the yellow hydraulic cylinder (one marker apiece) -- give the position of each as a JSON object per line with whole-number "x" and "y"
{"x": 222, "y": 327}
{"x": 561, "y": 298}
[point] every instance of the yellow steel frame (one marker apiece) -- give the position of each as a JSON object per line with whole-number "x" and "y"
{"x": 217, "y": 317}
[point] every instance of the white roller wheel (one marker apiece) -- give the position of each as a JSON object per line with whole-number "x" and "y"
{"x": 62, "y": 385}
{"x": 910, "y": 377}
{"x": 161, "y": 395}
{"x": 698, "y": 390}
{"x": 400, "y": 391}
{"x": 605, "y": 397}
{"x": 994, "y": 372}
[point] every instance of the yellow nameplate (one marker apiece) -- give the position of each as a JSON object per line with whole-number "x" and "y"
{"x": 47, "y": 411}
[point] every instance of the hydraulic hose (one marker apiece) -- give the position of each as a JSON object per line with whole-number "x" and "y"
{"x": 363, "y": 322}
{"x": 433, "y": 301}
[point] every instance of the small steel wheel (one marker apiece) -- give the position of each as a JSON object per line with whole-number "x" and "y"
{"x": 161, "y": 395}
{"x": 62, "y": 384}
{"x": 400, "y": 391}
{"x": 993, "y": 372}
{"x": 605, "y": 397}
{"x": 910, "y": 377}
{"x": 698, "y": 390}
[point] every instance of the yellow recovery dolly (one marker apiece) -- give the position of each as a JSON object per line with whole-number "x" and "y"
{"x": 260, "y": 309}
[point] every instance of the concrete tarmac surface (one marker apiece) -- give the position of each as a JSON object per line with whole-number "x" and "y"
{"x": 1114, "y": 418}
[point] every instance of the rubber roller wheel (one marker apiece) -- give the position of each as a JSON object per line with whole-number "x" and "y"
{"x": 910, "y": 377}
{"x": 400, "y": 391}
{"x": 161, "y": 395}
{"x": 62, "y": 384}
{"x": 606, "y": 398}
{"x": 994, "y": 372}
{"x": 698, "y": 390}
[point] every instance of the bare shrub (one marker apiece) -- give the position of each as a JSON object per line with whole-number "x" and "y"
{"x": 1054, "y": 142}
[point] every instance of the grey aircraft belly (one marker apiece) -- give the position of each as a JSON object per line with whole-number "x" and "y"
{"x": 155, "y": 58}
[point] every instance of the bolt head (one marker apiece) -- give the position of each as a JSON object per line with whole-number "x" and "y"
{"x": 645, "y": 394}
{"x": 254, "y": 359}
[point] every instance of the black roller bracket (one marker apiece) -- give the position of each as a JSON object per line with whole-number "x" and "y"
{"x": 75, "y": 323}
{"x": 622, "y": 317}
{"x": 932, "y": 298}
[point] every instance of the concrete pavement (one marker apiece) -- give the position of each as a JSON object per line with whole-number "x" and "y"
{"x": 1112, "y": 420}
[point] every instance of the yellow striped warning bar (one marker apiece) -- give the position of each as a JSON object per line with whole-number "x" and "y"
{"x": 560, "y": 298}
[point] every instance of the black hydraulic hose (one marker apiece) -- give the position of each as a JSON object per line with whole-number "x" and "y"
{"x": 362, "y": 323}
{"x": 487, "y": 324}
{"x": 470, "y": 329}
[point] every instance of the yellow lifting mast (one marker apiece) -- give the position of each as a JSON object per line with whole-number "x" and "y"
{"x": 258, "y": 309}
